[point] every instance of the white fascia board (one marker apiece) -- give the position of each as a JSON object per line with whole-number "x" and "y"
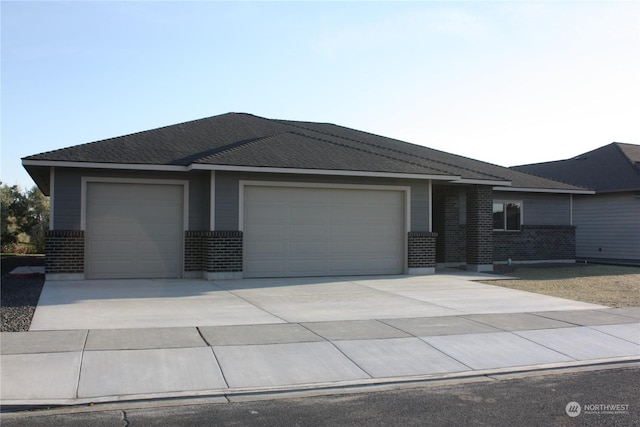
{"x": 92, "y": 165}
{"x": 177, "y": 168}
{"x": 543, "y": 190}
{"x": 296, "y": 171}
{"x": 482, "y": 182}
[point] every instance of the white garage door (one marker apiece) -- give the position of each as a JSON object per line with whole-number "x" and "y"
{"x": 133, "y": 230}
{"x": 291, "y": 232}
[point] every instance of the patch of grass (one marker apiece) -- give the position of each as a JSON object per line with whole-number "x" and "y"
{"x": 612, "y": 286}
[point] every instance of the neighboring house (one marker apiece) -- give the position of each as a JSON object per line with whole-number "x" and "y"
{"x": 608, "y": 224}
{"x": 237, "y": 195}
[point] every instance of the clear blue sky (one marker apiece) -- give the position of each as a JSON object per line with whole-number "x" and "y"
{"x": 507, "y": 82}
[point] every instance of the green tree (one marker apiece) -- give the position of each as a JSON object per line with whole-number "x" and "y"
{"x": 12, "y": 208}
{"x": 37, "y": 221}
{"x": 23, "y": 214}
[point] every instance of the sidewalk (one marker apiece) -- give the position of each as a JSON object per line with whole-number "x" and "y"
{"x": 98, "y": 365}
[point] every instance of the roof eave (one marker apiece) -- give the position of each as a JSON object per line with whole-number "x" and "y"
{"x": 332, "y": 172}
{"x": 482, "y": 182}
{"x": 99, "y": 165}
{"x": 233, "y": 168}
{"x": 544, "y": 190}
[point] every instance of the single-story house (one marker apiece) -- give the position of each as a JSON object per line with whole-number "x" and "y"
{"x": 608, "y": 224}
{"x": 237, "y": 195}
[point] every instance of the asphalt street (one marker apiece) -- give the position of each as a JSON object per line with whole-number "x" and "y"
{"x": 604, "y": 397}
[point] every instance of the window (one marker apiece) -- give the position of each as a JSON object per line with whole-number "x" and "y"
{"x": 507, "y": 215}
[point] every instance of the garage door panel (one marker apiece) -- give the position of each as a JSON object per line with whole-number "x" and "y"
{"x": 307, "y": 215}
{"x": 265, "y": 250}
{"x": 305, "y": 249}
{"x": 301, "y": 233}
{"x": 113, "y": 267}
{"x": 134, "y": 230}
{"x": 323, "y": 231}
{"x": 267, "y": 213}
{"x": 149, "y": 267}
{"x": 262, "y": 233}
{"x": 347, "y": 248}
{"x": 299, "y": 195}
{"x": 306, "y": 267}
{"x": 131, "y": 232}
{"x": 346, "y": 214}
{"x": 268, "y": 268}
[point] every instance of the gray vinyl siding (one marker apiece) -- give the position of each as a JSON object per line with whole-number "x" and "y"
{"x": 66, "y": 199}
{"x": 540, "y": 209}
{"x": 68, "y": 194}
{"x": 607, "y": 226}
{"x": 227, "y": 193}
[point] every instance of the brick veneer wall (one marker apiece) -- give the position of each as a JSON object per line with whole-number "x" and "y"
{"x": 223, "y": 251}
{"x": 479, "y": 225}
{"x": 421, "y": 249}
{"x": 64, "y": 251}
{"x": 194, "y": 250}
{"x": 535, "y": 242}
{"x": 213, "y": 251}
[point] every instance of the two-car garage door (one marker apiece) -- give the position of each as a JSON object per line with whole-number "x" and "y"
{"x": 303, "y": 231}
{"x": 133, "y": 230}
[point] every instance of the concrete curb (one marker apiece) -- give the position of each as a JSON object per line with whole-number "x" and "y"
{"x": 317, "y": 389}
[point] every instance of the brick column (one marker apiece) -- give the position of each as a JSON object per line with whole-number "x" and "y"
{"x": 64, "y": 259}
{"x": 479, "y": 228}
{"x": 213, "y": 254}
{"x": 194, "y": 253}
{"x": 223, "y": 255}
{"x": 421, "y": 252}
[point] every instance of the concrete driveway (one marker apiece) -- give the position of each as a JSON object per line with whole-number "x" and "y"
{"x": 98, "y": 341}
{"x": 109, "y": 304}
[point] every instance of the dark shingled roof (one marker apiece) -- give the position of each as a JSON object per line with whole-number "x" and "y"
{"x": 612, "y": 168}
{"x": 244, "y": 140}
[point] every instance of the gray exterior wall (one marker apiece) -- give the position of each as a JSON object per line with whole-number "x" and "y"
{"x": 68, "y": 188}
{"x": 608, "y": 226}
{"x": 540, "y": 208}
{"x": 227, "y": 193}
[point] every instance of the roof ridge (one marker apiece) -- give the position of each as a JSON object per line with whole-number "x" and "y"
{"x": 514, "y": 168}
{"x": 226, "y": 148}
{"x": 541, "y": 163}
{"x": 366, "y": 151}
{"x": 634, "y": 165}
{"x": 293, "y": 132}
{"x": 238, "y": 145}
{"x": 400, "y": 151}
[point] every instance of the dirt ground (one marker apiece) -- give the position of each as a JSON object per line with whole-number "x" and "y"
{"x": 612, "y": 286}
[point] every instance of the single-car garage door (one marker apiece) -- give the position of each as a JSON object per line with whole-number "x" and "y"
{"x": 291, "y": 231}
{"x": 133, "y": 230}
